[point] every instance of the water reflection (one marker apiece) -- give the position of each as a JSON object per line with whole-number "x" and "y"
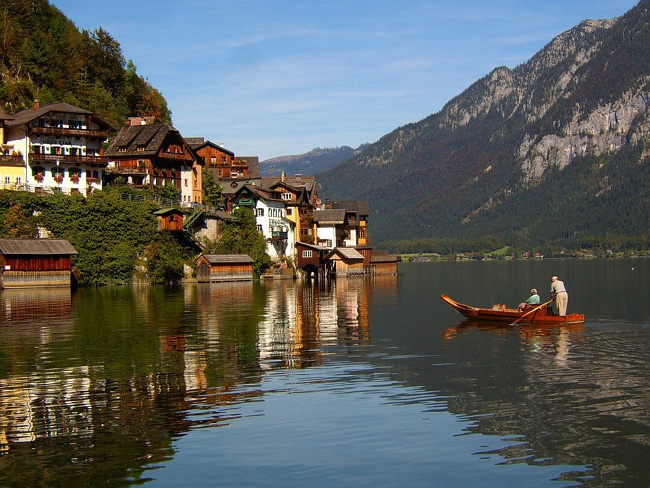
{"x": 103, "y": 385}
{"x": 116, "y": 374}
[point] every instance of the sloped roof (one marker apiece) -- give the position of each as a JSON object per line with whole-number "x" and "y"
{"x": 27, "y": 115}
{"x": 253, "y": 165}
{"x": 329, "y": 216}
{"x": 361, "y": 207}
{"x": 348, "y": 253}
{"x": 194, "y": 142}
{"x": 228, "y": 258}
{"x": 149, "y": 137}
{"x": 165, "y": 211}
{"x": 383, "y": 258}
{"x": 36, "y": 247}
{"x": 4, "y": 116}
{"x": 315, "y": 247}
{"x": 198, "y": 143}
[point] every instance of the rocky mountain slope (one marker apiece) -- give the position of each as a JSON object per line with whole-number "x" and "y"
{"x": 531, "y": 153}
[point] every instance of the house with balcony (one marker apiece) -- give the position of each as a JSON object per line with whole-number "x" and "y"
{"x": 355, "y": 227}
{"x": 61, "y": 147}
{"x": 151, "y": 155}
{"x": 301, "y": 198}
{"x": 328, "y": 225}
{"x": 270, "y": 217}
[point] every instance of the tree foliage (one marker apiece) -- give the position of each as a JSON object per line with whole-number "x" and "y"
{"x": 242, "y": 237}
{"x": 211, "y": 190}
{"x": 45, "y": 56}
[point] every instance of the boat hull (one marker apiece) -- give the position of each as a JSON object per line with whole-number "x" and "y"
{"x": 542, "y": 315}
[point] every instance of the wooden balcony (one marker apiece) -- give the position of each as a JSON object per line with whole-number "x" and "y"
{"x": 67, "y": 158}
{"x": 12, "y": 160}
{"x": 65, "y": 132}
{"x": 279, "y": 234}
{"x": 176, "y": 156}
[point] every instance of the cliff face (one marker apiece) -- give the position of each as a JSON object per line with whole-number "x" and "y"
{"x": 584, "y": 95}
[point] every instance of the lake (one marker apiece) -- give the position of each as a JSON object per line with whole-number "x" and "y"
{"x": 359, "y": 382}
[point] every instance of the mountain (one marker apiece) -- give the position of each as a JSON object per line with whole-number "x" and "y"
{"x": 554, "y": 151}
{"x": 308, "y": 164}
{"x": 45, "y": 56}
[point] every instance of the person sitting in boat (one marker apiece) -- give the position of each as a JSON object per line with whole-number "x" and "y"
{"x": 531, "y": 301}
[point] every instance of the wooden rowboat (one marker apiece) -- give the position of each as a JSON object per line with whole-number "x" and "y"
{"x": 500, "y": 313}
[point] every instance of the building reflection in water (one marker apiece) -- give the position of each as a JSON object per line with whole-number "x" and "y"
{"x": 82, "y": 374}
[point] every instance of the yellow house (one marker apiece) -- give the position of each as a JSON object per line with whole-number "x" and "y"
{"x": 12, "y": 164}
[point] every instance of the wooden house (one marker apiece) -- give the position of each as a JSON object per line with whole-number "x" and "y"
{"x": 224, "y": 267}
{"x": 170, "y": 219}
{"x": 35, "y": 262}
{"x": 382, "y": 263}
{"x": 153, "y": 155}
{"x": 310, "y": 257}
{"x": 345, "y": 261}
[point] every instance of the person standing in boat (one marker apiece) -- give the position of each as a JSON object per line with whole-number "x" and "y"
{"x": 533, "y": 299}
{"x": 559, "y": 293}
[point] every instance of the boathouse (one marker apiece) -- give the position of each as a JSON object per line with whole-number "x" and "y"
{"x": 30, "y": 263}
{"x": 224, "y": 267}
{"x": 382, "y": 263}
{"x": 345, "y": 261}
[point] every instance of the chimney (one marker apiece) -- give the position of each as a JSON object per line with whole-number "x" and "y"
{"x": 284, "y": 177}
{"x": 37, "y": 104}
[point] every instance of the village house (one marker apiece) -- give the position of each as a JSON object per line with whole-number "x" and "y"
{"x": 27, "y": 263}
{"x": 301, "y": 198}
{"x": 224, "y": 267}
{"x": 61, "y": 148}
{"x": 151, "y": 155}
{"x": 270, "y": 217}
{"x": 222, "y": 162}
{"x": 344, "y": 261}
{"x": 329, "y": 227}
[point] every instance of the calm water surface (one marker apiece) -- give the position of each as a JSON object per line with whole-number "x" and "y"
{"x": 364, "y": 382}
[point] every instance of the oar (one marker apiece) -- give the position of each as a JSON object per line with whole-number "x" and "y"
{"x": 531, "y": 311}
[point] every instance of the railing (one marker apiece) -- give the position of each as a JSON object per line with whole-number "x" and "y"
{"x": 66, "y": 158}
{"x": 128, "y": 170}
{"x": 279, "y": 234}
{"x": 60, "y": 131}
{"x": 12, "y": 160}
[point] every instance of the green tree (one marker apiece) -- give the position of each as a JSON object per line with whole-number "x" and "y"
{"x": 242, "y": 237}
{"x": 211, "y": 189}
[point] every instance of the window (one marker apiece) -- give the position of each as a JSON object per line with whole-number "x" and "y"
{"x": 259, "y": 212}
{"x": 7, "y": 180}
{"x": 186, "y": 184}
{"x": 259, "y": 228}
{"x": 307, "y": 253}
{"x": 19, "y": 180}
{"x": 289, "y": 211}
{"x": 286, "y": 196}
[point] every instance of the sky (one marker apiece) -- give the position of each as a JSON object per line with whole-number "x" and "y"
{"x": 271, "y": 78}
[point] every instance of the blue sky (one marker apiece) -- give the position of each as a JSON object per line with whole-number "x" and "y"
{"x": 272, "y": 78}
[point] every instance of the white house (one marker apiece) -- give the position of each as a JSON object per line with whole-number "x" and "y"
{"x": 271, "y": 219}
{"x": 61, "y": 145}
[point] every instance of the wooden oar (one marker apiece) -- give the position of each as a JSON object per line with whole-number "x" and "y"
{"x": 531, "y": 311}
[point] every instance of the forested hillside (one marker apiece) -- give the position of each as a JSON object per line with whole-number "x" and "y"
{"x": 553, "y": 152}
{"x": 44, "y": 56}
{"x": 308, "y": 164}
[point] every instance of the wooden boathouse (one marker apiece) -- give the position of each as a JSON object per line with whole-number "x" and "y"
{"x": 345, "y": 261}
{"x": 224, "y": 267}
{"x": 28, "y": 263}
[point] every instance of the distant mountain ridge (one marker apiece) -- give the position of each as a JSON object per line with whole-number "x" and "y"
{"x": 308, "y": 164}
{"x": 555, "y": 149}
